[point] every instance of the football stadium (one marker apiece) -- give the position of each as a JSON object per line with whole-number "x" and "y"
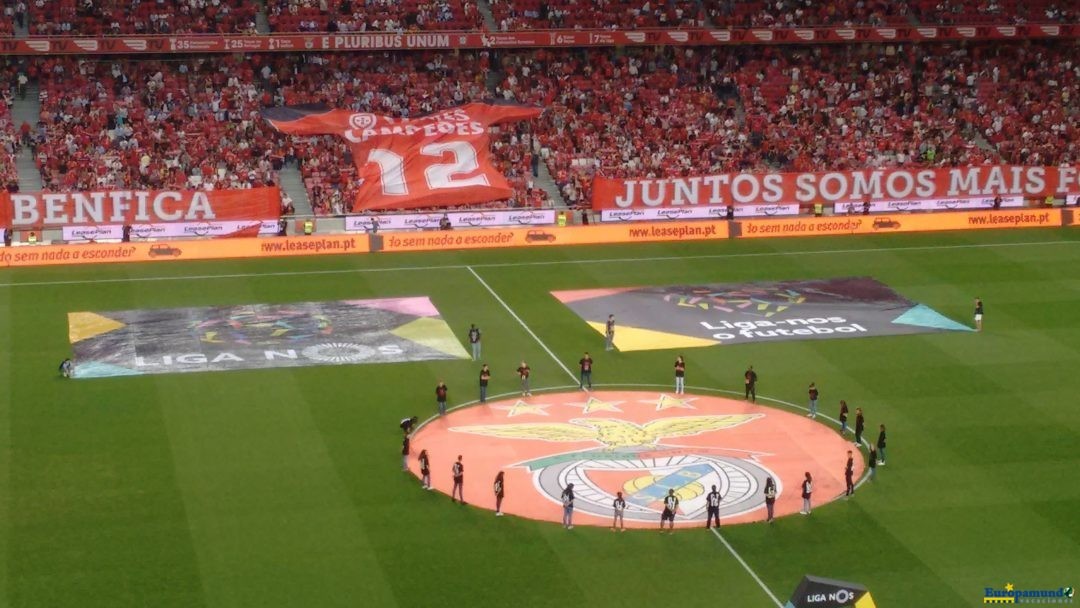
{"x": 491, "y": 303}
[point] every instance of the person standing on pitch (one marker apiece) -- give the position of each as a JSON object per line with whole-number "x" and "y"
{"x": 860, "y": 425}
{"x": 671, "y": 503}
{"x": 843, "y": 417}
{"x": 523, "y": 375}
{"x": 405, "y": 453}
{"x": 458, "y": 471}
{"x": 618, "y": 506}
{"x": 474, "y": 342}
{"x": 586, "y": 372}
{"x": 568, "y": 507}
{"x": 499, "y": 493}
{"x": 609, "y": 333}
{"x": 881, "y": 446}
{"x": 813, "y": 401}
{"x": 680, "y": 375}
{"x": 807, "y": 491}
{"x": 485, "y": 377}
{"x": 425, "y": 470}
{"x": 712, "y": 504}
{"x": 978, "y": 314}
{"x": 440, "y": 396}
{"x": 750, "y": 380}
{"x": 849, "y": 475}
{"x": 873, "y": 463}
{"x": 770, "y": 498}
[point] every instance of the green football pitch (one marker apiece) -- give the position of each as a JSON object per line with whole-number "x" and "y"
{"x": 283, "y": 487}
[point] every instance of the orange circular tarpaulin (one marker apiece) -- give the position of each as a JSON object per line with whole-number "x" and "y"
{"x": 642, "y": 444}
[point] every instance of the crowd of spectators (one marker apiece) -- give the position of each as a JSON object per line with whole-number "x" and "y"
{"x": 12, "y": 14}
{"x": 126, "y": 17}
{"x": 1028, "y": 101}
{"x": 797, "y": 108}
{"x": 645, "y": 112}
{"x": 1005, "y": 12}
{"x": 601, "y": 14}
{"x": 372, "y": 15}
{"x": 806, "y": 13}
{"x": 188, "y": 123}
{"x": 130, "y": 17}
{"x": 10, "y": 140}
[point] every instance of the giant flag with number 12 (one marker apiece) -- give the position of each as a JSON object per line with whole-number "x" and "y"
{"x": 437, "y": 160}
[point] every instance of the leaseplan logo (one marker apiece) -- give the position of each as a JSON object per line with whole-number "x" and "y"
{"x": 1010, "y": 594}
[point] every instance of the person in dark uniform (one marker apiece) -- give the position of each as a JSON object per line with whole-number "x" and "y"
{"x": 586, "y": 371}
{"x": 67, "y": 368}
{"x": 843, "y": 417}
{"x": 873, "y": 463}
{"x": 671, "y": 504}
{"x": 523, "y": 372}
{"x": 712, "y": 505}
{"x": 860, "y": 425}
{"x": 680, "y": 375}
{"x": 770, "y": 498}
{"x": 978, "y": 314}
{"x": 474, "y": 342}
{"x": 609, "y": 333}
{"x": 750, "y": 380}
{"x": 499, "y": 494}
{"x": 407, "y": 424}
{"x": 458, "y": 472}
{"x": 881, "y": 446}
{"x": 440, "y": 396}
{"x": 618, "y": 507}
{"x": 568, "y": 507}
{"x": 485, "y": 377}
{"x": 813, "y": 392}
{"x": 849, "y": 475}
{"x": 405, "y": 453}
{"x": 807, "y": 491}
{"x": 425, "y": 470}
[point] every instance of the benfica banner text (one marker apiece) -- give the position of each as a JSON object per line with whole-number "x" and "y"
{"x": 50, "y": 210}
{"x": 837, "y": 186}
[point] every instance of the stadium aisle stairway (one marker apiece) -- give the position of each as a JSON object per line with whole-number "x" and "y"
{"x": 27, "y": 110}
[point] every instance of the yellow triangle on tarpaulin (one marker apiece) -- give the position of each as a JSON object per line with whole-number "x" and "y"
{"x": 432, "y": 332}
{"x": 865, "y": 602}
{"x": 83, "y": 325}
{"x": 633, "y": 338}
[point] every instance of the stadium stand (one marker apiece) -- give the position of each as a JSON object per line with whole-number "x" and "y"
{"x": 193, "y": 121}
{"x": 806, "y": 13}
{"x": 372, "y": 15}
{"x": 8, "y": 18}
{"x": 190, "y": 122}
{"x": 624, "y": 14}
{"x": 120, "y": 17}
{"x": 9, "y": 134}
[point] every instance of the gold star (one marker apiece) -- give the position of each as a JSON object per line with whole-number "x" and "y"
{"x": 597, "y": 405}
{"x": 666, "y": 402}
{"x": 521, "y": 407}
{"x": 1009, "y": 587}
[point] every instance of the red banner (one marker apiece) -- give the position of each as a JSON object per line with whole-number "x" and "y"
{"x": 437, "y": 160}
{"x": 378, "y": 41}
{"x": 46, "y": 209}
{"x": 837, "y": 186}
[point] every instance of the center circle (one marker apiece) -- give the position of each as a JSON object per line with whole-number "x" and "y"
{"x": 640, "y": 443}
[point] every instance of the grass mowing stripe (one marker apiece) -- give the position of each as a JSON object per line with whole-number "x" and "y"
{"x": 522, "y": 323}
{"x": 624, "y": 260}
{"x": 747, "y": 567}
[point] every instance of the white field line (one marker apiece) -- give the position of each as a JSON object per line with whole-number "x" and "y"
{"x": 759, "y": 254}
{"x": 522, "y": 323}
